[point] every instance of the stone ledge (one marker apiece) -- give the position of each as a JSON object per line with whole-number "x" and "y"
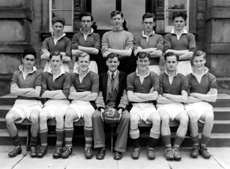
{"x": 218, "y": 12}
{"x": 16, "y": 13}
{"x": 13, "y": 47}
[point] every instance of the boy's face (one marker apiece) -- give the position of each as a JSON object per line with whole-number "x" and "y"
{"x": 171, "y": 63}
{"x": 199, "y": 62}
{"x": 112, "y": 64}
{"x": 148, "y": 24}
{"x": 179, "y": 23}
{"x": 56, "y": 62}
{"x": 143, "y": 63}
{"x": 58, "y": 28}
{"x": 117, "y": 21}
{"x": 83, "y": 63}
{"x": 86, "y": 23}
{"x": 28, "y": 61}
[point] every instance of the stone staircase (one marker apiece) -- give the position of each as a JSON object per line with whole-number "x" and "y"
{"x": 220, "y": 133}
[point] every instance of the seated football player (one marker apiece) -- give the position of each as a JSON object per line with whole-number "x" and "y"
{"x": 55, "y": 87}
{"x": 203, "y": 89}
{"x": 26, "y": 85}
{"x": 83, "y": 92}
{"x": 142, "y": 91}
{"x": 172, "y": 94}
{"x": 112, "y": 94}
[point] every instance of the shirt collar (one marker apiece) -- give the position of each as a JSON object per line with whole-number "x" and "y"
{"x": 137, "y": 73}
{"x": 183, "y": 32}
{"x": 60, "y": 36}
{"x": 77, "y": 71}
{"x": 169, "y": 75}
{"x": 206, "y": 70}
{"x": 117, "y": 30}
{"x": 91, "y": 31}
{"x": 62, "y": 71}
{"x": 144, "y": 35}
{"x": 21, "y": 68}
{"x": 115, "y": 73}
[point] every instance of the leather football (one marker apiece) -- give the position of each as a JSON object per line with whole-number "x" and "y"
{"x": 111, "y": 116}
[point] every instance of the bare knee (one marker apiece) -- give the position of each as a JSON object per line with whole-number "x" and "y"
{"x": 134, "y": 119}
{"x": 164, "y": 117}
{"x": 34, "y": 116}
{"x": 11, "y": 117}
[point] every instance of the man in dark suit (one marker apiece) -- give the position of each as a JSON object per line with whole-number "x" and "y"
{"x": 111, "y": 94}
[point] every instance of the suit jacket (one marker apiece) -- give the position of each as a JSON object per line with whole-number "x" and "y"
{"x": 121, "y": 100}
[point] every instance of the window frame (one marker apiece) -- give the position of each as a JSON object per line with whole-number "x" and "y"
{"x": 67, "y": 28}
{"x": 168, "y": 28}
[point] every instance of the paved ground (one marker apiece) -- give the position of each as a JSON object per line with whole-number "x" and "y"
{"x": 220, "y": 160}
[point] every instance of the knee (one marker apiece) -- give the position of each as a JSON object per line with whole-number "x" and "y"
{"x": 134, "y": 121}
{"x": 156, "y": 120}
{"x": 209, "y": 117}
{"x": 184, "y": 120}
{"x": 59, "y": 118}
{"x": 9, "y": 118}
{"x": 96, "y": 115}
{"x": 192, "y": 116}
{"x": 164, "y": 117}
{"x": 125, "y": 116}
{"x": 69, "y": 116}
{"x": 88, "y": 115}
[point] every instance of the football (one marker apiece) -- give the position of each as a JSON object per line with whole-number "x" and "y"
{"x": 111, "y": 116}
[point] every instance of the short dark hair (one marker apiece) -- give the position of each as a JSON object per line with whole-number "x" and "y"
{"x": 29, "y": 51}
{"x": 116, "y": 12}
{"x": 171, "y": 54}
{"x": 85, "y": 13}
{"x": 199, "y": 53}
{"x": 148, "y": 15}
{"x": 142, "y": 55}
{"x": 112, "y": 55}
{"x": 56, "y": 54}
{"x": 58, "y": 19}
{"x": 179, "y": 14}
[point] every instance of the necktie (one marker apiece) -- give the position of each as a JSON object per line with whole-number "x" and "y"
{"x": 112, "y": 76}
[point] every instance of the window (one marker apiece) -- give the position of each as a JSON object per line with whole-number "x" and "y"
{"x": 63, "y": 9}
{"x": 172, "y": 6}
{"x": 101, "y": 10}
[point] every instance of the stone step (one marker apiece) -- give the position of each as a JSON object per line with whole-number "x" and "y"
{"x": 217, "y": 139}
{"x": 223, "y": 100}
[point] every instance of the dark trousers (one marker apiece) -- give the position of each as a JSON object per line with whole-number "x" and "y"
{"x": 122, "y": 131}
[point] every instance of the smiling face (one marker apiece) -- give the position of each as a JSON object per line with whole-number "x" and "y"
{"x": 148, "y": 24}
{"x": 86, "y": 23}
{"x": 58, "y": 28}
{"x": 117, "y": 21}
{"x": 83, "y": 62}
{"x": 199, "y": 62}
{"x": 143, "y": 63}
{"x": 112, "y": 63}
{"x": 28, "y": 61}
{"x": 56, "y": 62}
{"x": 171, "y": 63}
{"x": 179, "y": 23}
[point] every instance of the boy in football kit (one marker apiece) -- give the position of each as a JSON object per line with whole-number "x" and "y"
{"x": 149, "y": 42}
{"x": 181, "y": 43}
{"x": 172, "y": 95}
{"x": 118, "y": 41}
{"x": 86, "y": 40}
{"x": 203, "y": 89}
{"x": 55, "y": 87}
{"x": 142, "y": 91}
{"x": 26, "y": 85}
{"x": 112, "y": 94}
{"x": 84, "y": 90}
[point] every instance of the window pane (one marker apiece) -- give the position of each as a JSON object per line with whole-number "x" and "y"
{"x": 133, "y": 11}
{"x": 67, "y": 15}
{"x": 62, "y": 4}
{"x": 101, "y": 10}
